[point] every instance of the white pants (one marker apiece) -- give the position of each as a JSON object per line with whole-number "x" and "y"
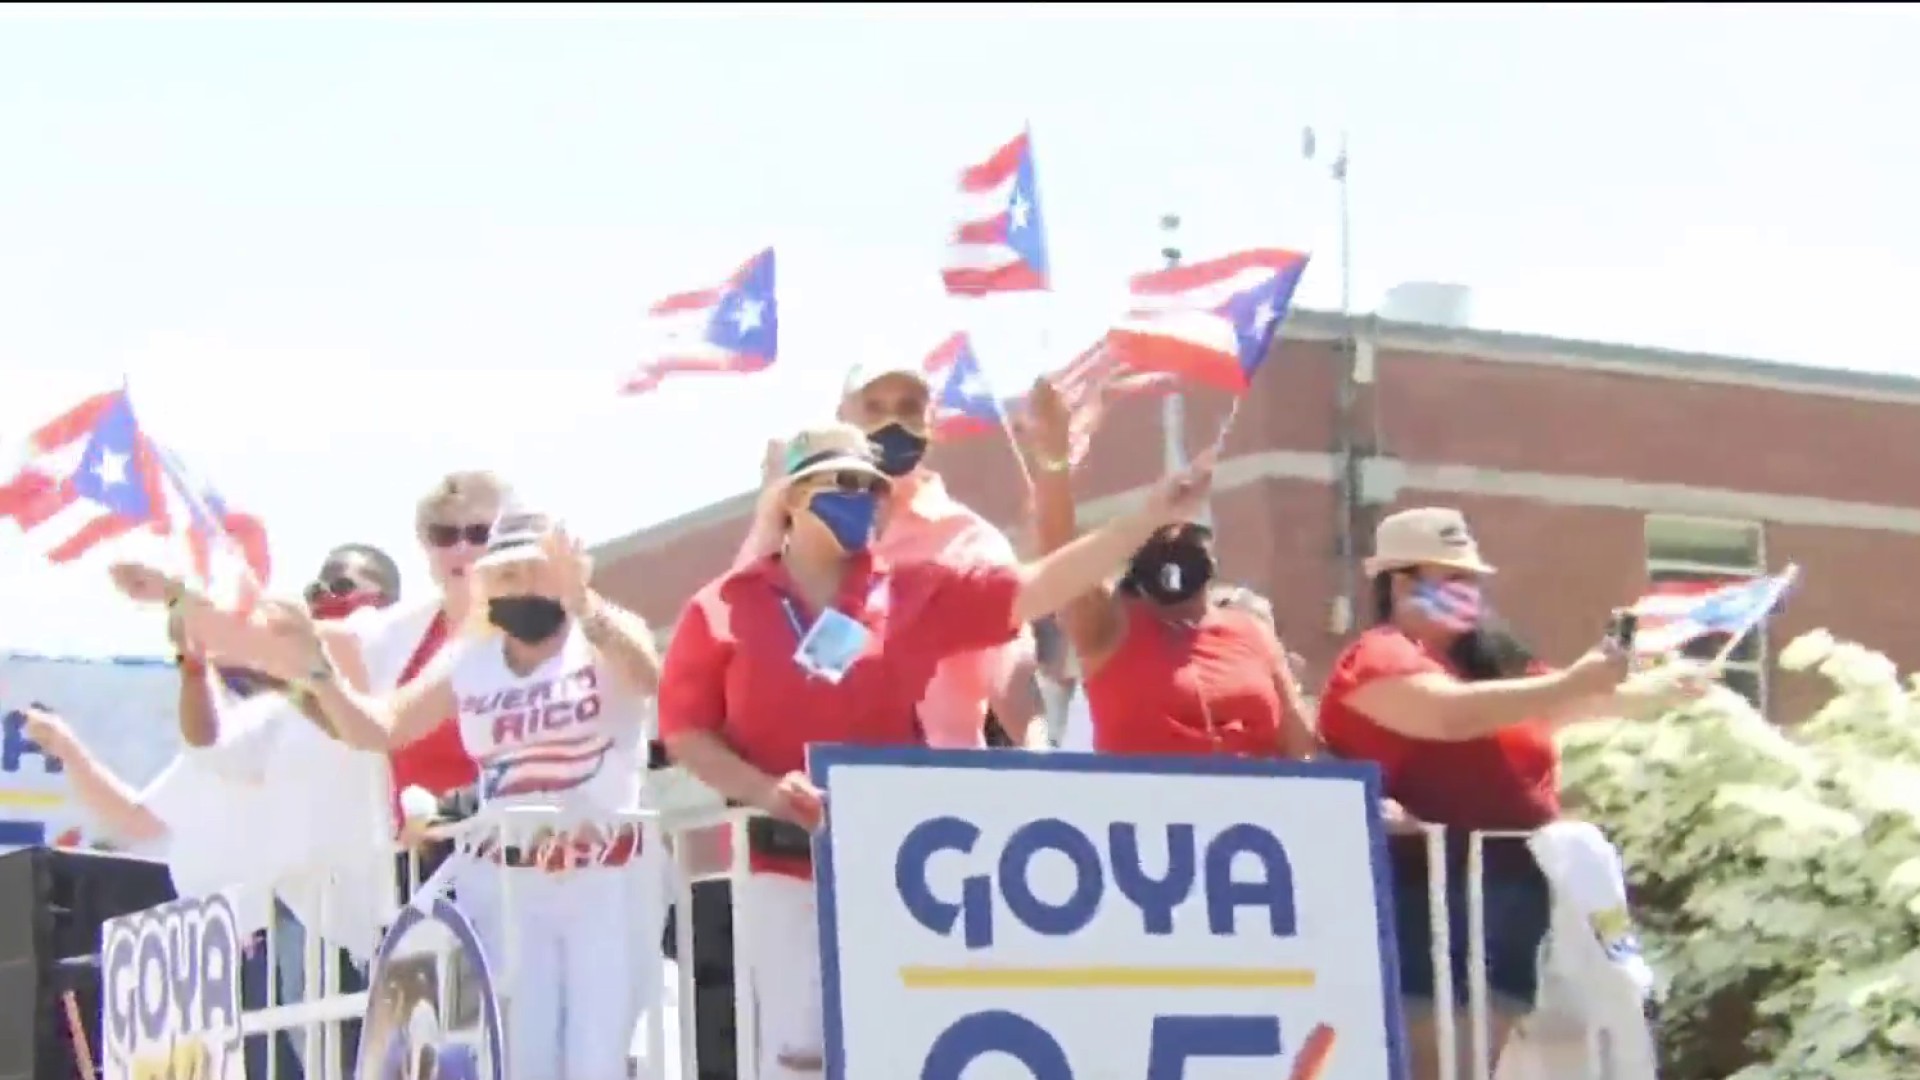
{"x": 576, "y": 960}
{"x": 774, "y": 919}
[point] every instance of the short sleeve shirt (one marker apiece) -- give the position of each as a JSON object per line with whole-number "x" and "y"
{"x": 1508, "y": 780}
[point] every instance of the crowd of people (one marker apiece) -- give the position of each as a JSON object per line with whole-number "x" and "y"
{"x": 867, "y": 605}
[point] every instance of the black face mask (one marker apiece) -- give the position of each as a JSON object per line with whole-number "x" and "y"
{"x": 1172, "y": 571}
{"x": 899, "y": 449}
{"x": 527, "y": 619}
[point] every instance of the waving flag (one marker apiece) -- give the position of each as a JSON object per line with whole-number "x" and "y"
{"x": 731, "y": 327}
{"x": 93, "y": 478}
{"x": 964, "y": 404}
{"x": 999, "y": 244}
{"x": 1675, "y": 615}
{"x": 1089, "y": 382}
{"x": 1211, "y": 322}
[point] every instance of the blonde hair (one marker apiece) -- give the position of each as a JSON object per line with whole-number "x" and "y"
{"x": 459, "y": 490}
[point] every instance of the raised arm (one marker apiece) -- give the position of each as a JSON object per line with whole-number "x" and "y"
{"x": 1054, "y": 582}
{"x": 624, "y": 640}
{"x": 1092, "y": 620}
{"x": 242, "y": 640}
{"x": 106, "y": 798}
{"x": 359, "y": 719}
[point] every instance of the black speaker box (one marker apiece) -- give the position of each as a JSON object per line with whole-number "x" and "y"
{"x": 52, "y": 903}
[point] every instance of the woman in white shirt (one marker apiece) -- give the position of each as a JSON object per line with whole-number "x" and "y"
{"x": 550, "y": 685}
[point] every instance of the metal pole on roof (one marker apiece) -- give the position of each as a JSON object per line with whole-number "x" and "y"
{"x": 1348, "y": 512}
{"x": 1173, "y": 407}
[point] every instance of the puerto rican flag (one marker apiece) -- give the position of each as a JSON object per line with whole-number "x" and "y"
{"x": 1210, "y": 322}
{"x": 999, "y": 244}
{"x": 732, "y": 327}
{"x": 1675, "y": 614}
{"x": 544, "y": 768}
{"x": 1091, "y": 381}
{"x": 964, "y": 403}
{"x": 93, "y": 479}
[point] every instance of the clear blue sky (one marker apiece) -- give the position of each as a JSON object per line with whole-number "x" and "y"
{"x": 339, "y": 256}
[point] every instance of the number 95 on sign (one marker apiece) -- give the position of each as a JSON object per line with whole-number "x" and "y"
{"x": 1175, "y": 1045}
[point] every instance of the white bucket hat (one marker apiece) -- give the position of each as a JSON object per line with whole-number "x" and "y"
{"x": 516, "y": 537}
{"x": 1428, "y": 536}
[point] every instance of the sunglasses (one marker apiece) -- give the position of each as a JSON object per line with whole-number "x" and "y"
{"x": 852, "y": 482}
{"x": 446, "y": 536}
{"x": 336, "y": 587}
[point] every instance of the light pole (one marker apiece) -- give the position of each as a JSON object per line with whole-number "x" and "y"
{"x": 1173, "y": 407}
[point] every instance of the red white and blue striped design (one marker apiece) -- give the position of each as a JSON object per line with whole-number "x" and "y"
{"x": 964, "y": 403}
{"x": 92, "y": 479}
{"x": 544, "y": 768}
{"x": 1456, "y": 605}
{"x": 1091, "y": 381}
{"x": 1209, "y": 322}
{"x": 999, "y": 244}
{"x": 1677, "y": 613}
{"x": 730, "y": 328}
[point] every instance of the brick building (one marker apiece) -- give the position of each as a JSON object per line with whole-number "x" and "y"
{"x": 1587, "y": 470}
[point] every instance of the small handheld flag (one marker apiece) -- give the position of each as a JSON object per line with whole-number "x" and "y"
{"x": 733, "y": 327}
{"x": 999, "y": 244}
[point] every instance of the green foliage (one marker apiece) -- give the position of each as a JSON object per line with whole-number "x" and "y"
{"x": 1776, "y": 875}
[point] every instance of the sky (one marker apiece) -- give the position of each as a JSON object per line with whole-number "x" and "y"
{"x": 335, "y": 255}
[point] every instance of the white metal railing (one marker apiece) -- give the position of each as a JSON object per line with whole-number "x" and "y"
{"x": 692, "y": 832}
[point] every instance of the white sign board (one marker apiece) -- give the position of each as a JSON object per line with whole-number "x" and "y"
{"x": 170, "y": 993}
{"x": 124, "y": 710}
{"x": 1003, "y": 916}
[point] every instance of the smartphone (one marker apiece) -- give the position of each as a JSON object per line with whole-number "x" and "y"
{"x": 1622, "y": 627}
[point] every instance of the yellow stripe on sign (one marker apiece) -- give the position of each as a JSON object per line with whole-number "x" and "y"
{"x": 32, "y": 800}
{"x": 985, "y": 977}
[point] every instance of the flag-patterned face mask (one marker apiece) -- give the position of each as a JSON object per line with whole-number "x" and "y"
{"x": 1456, "y": 605}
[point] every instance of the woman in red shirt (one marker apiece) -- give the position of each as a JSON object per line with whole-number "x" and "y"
{"x": 1461, "y": 720}
{"x": 824, "y": 642}
{"x": 1171, "y": 663}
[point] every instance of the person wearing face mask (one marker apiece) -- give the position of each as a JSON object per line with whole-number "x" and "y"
{"x": 828, "y": 641}
{"x": 378, "y": 648}
{"x": 1167, "y": 669}
{"x": 550, "y": 684}
{"x": 893, "y": 405}
{"x": 1460, "y": 718}
{"x": 259, "y": 768}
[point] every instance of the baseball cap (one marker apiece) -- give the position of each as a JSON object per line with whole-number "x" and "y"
{"x": 864, "y": 375}
{"x": 1427, "y": 536}
{"x": 830, "y": 448}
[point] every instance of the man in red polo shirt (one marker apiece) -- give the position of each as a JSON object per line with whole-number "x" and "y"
{"x": 375, "y": 649}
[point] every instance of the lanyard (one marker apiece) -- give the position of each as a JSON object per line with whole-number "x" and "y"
{"x": 793, "y": 617}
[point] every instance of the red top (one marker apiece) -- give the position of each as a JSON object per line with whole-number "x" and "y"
{"x": 1509, "y": 780}
{"x": 1173, "y": 689}
{"x": 730, "y": 669}
{"x": 437, "y": 761}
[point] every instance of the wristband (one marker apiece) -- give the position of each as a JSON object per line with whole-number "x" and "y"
{"x": 1052, "y": 464}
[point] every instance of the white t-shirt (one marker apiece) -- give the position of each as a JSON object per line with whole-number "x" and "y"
{"x": 567, "y": 734}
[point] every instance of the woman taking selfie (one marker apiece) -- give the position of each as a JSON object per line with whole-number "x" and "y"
{"x": 549, "y": 684}
{"x": 1171, "y": 664}
{"x": 824, "y": 642}
{"x": 1460, "y": 718}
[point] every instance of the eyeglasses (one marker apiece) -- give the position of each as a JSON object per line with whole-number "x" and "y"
{"x": 446, "y": 536}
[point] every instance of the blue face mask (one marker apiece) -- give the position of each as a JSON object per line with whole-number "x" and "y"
{"x": 848, "y": 515}
{"x": 899, "y": 449}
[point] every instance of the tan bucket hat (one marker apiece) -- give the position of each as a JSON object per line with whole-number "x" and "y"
{"x": 1428, "y": 536}
{"x": 830, "y": 448}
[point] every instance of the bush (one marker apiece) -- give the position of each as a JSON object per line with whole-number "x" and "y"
{"x": 1775, "y": 873}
